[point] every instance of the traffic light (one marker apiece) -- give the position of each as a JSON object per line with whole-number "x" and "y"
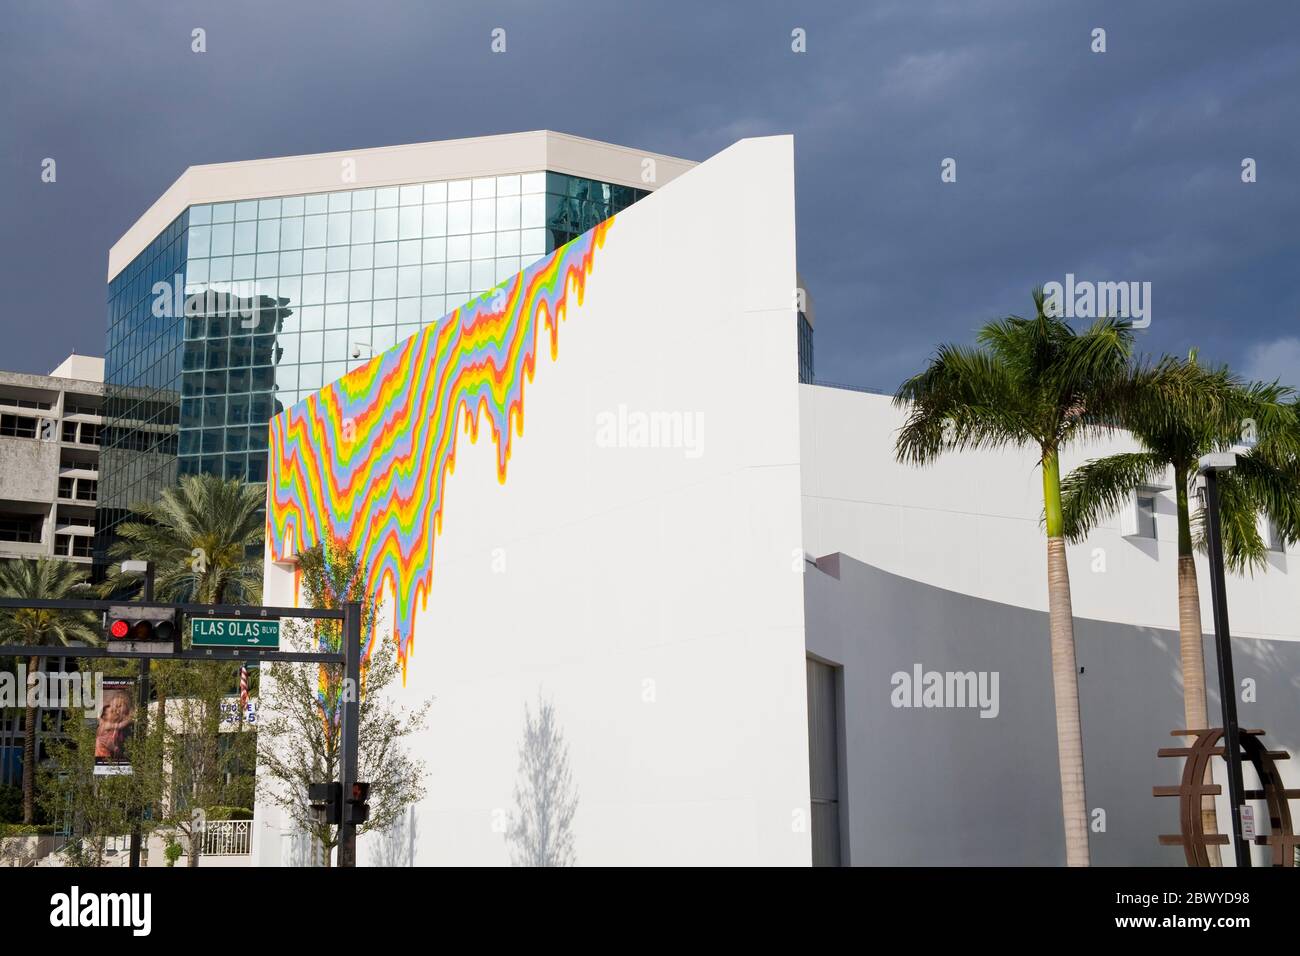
{"x": 358, "y": 805}
{"x": 130, "y": 623}
{"x": 326, "y": 803}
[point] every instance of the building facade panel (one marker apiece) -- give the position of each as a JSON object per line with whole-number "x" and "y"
{"x": 970, "y": 779}
{"x": 50, "y": 434}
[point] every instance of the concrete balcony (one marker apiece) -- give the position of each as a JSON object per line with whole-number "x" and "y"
{"x": 24, "y": 549}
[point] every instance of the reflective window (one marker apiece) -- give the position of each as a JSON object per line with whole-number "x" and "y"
{"x": 279, "y": 293}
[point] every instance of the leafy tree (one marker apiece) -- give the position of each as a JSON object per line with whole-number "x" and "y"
{"x": 1036, "y": 383}
{"x": 95, "y": 808}
{"x": 205, "y": 769}
{"x": 50, "y": 580}
{"x": 299, "y": 736}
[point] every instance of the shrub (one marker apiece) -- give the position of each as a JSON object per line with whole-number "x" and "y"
{"x": 11, "y": 804}
{"x": 25, "y": 829}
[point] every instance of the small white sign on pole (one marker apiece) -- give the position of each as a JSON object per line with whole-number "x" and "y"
{"x": 1248, "y": 823}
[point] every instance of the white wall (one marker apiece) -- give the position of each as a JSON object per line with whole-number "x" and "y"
{"x": 971, "y": 523}
{"x": 654, "y": 596}
{"x": 970, "y": 526}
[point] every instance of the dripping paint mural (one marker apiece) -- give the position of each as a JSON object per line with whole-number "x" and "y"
{"x": 365, "y": 460}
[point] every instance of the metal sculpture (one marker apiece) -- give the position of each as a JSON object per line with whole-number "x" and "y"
{"x": 1206, "y": 745}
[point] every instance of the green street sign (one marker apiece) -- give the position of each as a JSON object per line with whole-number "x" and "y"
{"x": 234, "y": 632}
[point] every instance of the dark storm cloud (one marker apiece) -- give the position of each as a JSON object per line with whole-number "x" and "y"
{"x": 1123, "y": 165}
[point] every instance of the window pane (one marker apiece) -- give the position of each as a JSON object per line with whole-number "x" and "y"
{"x": 340, "y": 228}
{"x": 291, "y": 233}
{"x": 484, "y": 215}
{"x": 363, "y": 226}
{"x": 458, "y": 218}
{"x": 533, "y": 211}
{"x": 268, "y": 235}
{"x": 199, "y": 244}
{"x": 223, "y": 239}
{"x": 508, "y": 212}
{"x": 315, "y": 231}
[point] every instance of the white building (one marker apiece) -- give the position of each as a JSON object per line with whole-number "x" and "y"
{"x": 712, "y": 573}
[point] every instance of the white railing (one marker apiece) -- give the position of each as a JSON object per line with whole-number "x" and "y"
{"x": 228, "y": 838}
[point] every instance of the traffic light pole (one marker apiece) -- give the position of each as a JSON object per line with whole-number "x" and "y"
{"x": 143, "y": 717}
{"x": 349, "y": 655}
{"x": 351, "y": 717}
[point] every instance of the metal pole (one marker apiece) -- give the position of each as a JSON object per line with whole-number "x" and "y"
{"x": 143, "y": 717}
{"x": 350, "y": 718}
{"x": 1223, "y": 652}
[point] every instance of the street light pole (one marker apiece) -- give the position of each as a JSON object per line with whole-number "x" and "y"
{"x": 1210, "y": 466}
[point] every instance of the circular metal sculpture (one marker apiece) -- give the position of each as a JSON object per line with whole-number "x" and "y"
{"x": 1193, "y": 838}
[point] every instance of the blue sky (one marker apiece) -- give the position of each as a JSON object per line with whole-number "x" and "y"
{"x": 1115, "y": 166}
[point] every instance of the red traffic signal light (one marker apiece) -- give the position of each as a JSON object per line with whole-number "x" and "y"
{"x": 142, "y": 624}
{"x": 358, "y": 807}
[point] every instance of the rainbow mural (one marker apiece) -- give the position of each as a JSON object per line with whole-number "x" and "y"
{"x": 365, "y": 460}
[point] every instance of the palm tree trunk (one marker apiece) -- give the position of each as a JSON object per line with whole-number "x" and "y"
{"x": 1191, "y": 647}
{"x": 1065, "y": 679}
{"x": 29, "y": 747}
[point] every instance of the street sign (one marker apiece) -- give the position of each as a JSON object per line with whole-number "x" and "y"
{"x": 234, "y": 632}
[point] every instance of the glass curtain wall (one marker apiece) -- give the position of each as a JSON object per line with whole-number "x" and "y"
{"x": 282, "y": 296}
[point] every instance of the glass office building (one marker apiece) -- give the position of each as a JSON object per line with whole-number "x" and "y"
{"x": 266, "y": 300}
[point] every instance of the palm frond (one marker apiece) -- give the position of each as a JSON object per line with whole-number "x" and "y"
{"x": 204, "y": 537}
{"x": 50, "y": 580}
{"x": 964, "y": 400}
{"x": 1099, "y": 488}
{"x": 1244, "y": 549}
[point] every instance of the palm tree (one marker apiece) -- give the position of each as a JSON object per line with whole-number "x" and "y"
{"x": 204, "y": 538}
{"x": 47, "y": 580}
{"x": 1265, "y": 482}
{"x": 1035, "y": 383}
{"x": 1176, "y": 438}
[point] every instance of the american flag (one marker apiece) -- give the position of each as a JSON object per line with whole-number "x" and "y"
{"x": 243, "y": 691}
